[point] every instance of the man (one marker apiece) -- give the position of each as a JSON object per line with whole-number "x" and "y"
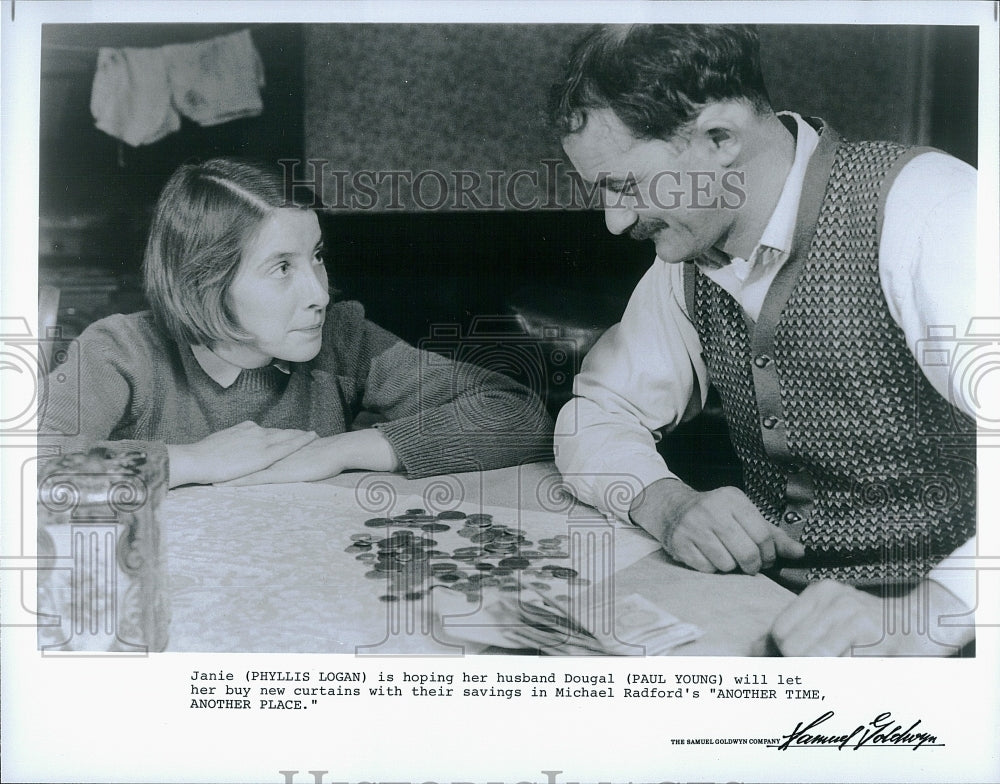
{"x": 796, "y": 273}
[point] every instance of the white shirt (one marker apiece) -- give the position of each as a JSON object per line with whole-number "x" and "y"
{"x": 641, "y": 376}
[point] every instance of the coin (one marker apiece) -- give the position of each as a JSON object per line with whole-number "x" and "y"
{"x": 388, "y": 597}
{"x": 504, "y": 537}
{"x": 484, "y": 536}
{"x": 378, "y": 522}
{"x": 451, "y": 514}
{"x": 514, "y": 563}
{"x": 435, "y": 527}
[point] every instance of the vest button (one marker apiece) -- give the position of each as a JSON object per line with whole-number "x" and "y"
{"x": 762, "y": 361}
{"x": 794, "y": 468}
{"x": 769, "y": 422}
{"x": 792, "y": 517}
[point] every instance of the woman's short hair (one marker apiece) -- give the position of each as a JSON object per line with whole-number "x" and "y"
{"x": 656, "y": 78}
{"x": 203, "y": 220}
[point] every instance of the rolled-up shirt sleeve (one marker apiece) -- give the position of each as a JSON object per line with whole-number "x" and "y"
{"x": 644, "y": 376}
{"x": 927, "y": 264}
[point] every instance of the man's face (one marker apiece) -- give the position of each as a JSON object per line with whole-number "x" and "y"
{"x": 673, "y": 192}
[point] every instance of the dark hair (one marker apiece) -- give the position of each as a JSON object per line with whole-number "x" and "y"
{"x": 204, "y": 218}
{"x": 656, "y": 78}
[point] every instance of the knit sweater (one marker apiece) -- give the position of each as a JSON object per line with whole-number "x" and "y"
{"x": 129, "y": 381}
{"x": 838, "y": 430}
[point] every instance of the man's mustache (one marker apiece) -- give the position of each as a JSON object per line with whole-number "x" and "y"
{"x": 645, "y": 229}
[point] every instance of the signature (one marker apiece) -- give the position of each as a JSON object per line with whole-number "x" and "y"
{"x": 880, "y": 731}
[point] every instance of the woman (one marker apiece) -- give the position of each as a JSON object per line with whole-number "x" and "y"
{"x": 243, "y": 370}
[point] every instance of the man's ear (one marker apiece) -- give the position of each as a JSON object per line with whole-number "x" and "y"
{"x": 722, "y": 129}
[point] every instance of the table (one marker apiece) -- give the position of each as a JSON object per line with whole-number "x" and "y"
{"x": 278, "y": 580}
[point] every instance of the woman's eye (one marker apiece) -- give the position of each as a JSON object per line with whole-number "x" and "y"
{"x": 319, "y": 257}
{"x": 281, "y": 269}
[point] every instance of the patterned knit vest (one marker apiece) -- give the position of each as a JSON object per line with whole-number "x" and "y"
{"x": 844, "y": 444}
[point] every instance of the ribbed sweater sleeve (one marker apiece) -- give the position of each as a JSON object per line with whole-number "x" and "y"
{"x": 438, "y": 414}
{"x": 126, "y": 382}
{"x": 90, "y": 399}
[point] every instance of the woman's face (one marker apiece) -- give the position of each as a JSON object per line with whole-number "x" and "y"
{"x": 280, "y": 292}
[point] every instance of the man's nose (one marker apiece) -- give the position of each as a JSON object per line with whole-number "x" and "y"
{"x": 619, "y": 219}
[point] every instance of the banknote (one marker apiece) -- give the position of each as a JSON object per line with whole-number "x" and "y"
{"x": 574, "y": 625}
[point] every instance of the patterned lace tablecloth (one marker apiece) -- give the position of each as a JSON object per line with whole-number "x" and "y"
{"x": 271, "y": 569}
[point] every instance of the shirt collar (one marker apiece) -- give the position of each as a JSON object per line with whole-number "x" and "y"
{"x": 780, "y": 228}
{"x": 775, "y": 243}
{"x": 223, "y": 372}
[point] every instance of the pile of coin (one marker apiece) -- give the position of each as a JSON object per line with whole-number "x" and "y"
{"x": 498, "y": 556}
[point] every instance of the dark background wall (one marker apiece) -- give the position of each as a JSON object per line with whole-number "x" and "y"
{"x": 437, "y": 98}
{"x": 449, "y": 98}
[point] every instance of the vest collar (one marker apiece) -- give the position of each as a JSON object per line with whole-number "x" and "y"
{"x": 813, "y": 193}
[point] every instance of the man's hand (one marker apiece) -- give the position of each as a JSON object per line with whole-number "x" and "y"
{"x": 235, "y": 451}
{"x": 715, "y": 531}
{"x": 832, "y": 619}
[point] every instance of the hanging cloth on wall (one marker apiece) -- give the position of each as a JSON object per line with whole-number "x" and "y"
{"x": 138, "y": 95}
{"x": 130, "y": 98}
